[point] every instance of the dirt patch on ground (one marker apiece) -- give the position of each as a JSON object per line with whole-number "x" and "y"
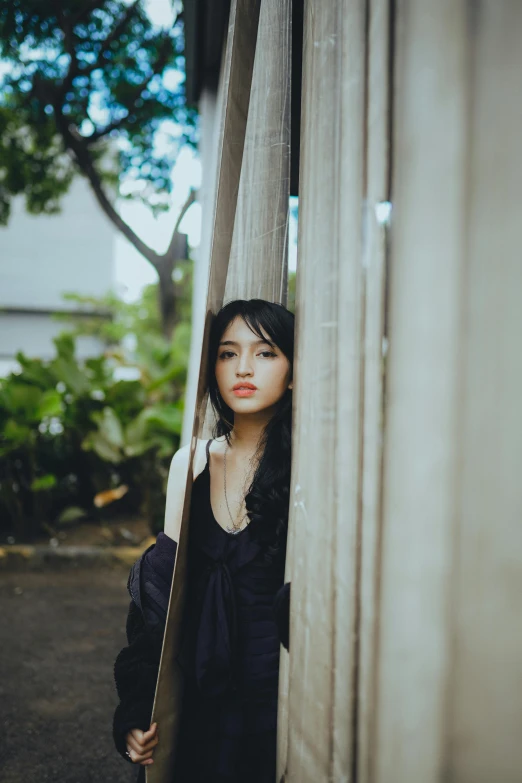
{"x": 117, "y": 532}
{"x": 59, "y": 636}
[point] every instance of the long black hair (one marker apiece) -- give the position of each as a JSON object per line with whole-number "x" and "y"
{"x": 267, "y": 498}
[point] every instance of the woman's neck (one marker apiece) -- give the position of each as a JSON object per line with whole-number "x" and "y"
{"x": 247, "y": 431}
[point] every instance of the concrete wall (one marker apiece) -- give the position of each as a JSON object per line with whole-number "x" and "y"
{"x": 43, "y": 257}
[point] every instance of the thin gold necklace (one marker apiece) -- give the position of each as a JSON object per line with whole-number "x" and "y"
{"x": 236, "y": 526}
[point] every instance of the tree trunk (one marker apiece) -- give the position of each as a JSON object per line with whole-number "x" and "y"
{"x": 178, "y": 250}
{"x": 166, "y": 300}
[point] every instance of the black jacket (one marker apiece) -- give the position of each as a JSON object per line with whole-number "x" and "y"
{"x": 137, "y": 665}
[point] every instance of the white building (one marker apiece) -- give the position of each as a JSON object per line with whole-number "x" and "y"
{"x": 43, "y": 257}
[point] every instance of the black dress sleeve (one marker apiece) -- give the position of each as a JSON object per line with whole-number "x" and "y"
{"x": 135, "y": 674}
{"x": 282, "y": 614}
{"x": 156, "y": 578}
{"x": 137, "y": 665}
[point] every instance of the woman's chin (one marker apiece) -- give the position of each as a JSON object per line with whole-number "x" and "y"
{"x": 245, "y": 404}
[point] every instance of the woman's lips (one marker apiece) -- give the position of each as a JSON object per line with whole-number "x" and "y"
{"x": 244, "y": 392}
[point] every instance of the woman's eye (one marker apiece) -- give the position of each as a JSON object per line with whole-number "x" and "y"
{"x": 226, "y": 354}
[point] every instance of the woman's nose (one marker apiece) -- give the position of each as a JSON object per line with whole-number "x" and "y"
{"x": 244, "y": 367}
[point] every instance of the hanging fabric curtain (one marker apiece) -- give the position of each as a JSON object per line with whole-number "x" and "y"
{"x": 248, "y": 255}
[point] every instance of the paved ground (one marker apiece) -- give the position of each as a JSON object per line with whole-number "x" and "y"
{"x": 59, "y": 635}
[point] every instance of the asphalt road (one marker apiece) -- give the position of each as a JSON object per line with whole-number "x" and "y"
{"x": 59, "y": 635}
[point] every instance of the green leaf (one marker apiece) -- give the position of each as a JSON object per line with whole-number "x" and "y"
{"x": 16, "y": 433}
{"x": 50, "y": 404}
{"x": 137, "y": 449}
{"x": 22, "y": 399}
{"x": 43, "y": 483}
{"x": 68, "y": 371}
{"x": 109, "y": 426}
{"x": 166, "y": 447}
{"x": 105, "y": 450}
{"x": 35, "y": 372}
{"x": 136, "y": 430}
{"x": 71, "y": 514}
{"x": 65, "y": 346}
{"x": 98, "y": 370}
{"x": 168, "y": 417}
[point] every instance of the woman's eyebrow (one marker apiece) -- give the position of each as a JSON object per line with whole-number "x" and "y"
{"x": 256, "y": 342}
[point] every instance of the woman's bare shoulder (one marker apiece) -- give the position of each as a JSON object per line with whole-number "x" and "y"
{"x": 180, "y": 460}
{"x": 200, "y": 457}
{"x": 177, "y": 483}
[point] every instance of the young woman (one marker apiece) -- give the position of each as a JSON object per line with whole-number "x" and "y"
{"x": 237, "y": 605}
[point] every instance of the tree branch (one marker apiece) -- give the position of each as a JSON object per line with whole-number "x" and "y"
{"x": 68, "y": 38}
{"x": 113, "y": 36}
{"x": 89, "y": 8}
{"x": 159, "y": 65}
{"x": 67, "y": 26}
{"x": 99, "y": 134}
{"x": 76, "y": 144}
{"x": 184, "y": 209}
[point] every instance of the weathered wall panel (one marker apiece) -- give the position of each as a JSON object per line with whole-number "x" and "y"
{"x": 424, "y": 320}
{"x": 325, "y": 479}
{"x": 450, "y": 695}
{"x": 258, "y": 266}
{"x": 484, "y": 706}
{"x": 375, "y": 256}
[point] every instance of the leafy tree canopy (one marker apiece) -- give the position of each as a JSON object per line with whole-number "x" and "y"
{"x": 75, "y": 75}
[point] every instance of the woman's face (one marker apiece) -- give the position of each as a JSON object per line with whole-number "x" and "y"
{"x": 244, "y": 359}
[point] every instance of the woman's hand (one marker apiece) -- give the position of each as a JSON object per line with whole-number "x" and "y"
{"x": 141, "y": 744}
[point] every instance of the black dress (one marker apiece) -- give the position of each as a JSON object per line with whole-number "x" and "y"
{"x": 236, "y": 615}
{"x": 231, "y": 653}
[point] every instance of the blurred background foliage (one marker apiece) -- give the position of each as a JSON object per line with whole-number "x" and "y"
{"x": 77, "y": 75}
{"x": 96, "y": 89}
{"x": 93, "y": 440}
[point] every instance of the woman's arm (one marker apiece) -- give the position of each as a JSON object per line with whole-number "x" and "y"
{"x": 176, "y": 491}
{"x": 177, "y": 482}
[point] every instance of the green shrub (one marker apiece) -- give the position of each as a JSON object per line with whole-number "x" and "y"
{"x": 71, "y": 429}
